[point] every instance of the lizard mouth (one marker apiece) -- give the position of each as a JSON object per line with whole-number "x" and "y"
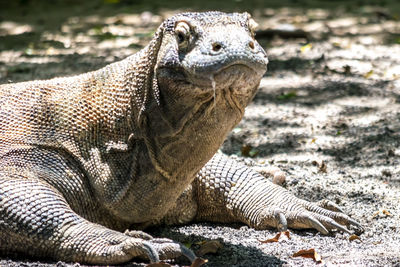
{"x": 254, "y": 66}
{"x": 237, "y": 78}
{"x": 227, "y": 76}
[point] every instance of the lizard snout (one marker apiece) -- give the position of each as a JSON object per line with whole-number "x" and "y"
{"x": 222, "y": 48}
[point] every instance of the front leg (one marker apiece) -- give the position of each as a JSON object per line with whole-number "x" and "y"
{"x": 36, "y": 220}
{"x": 227, "y": 191}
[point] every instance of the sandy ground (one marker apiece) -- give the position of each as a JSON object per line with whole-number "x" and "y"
{"x": 331, "y": 95}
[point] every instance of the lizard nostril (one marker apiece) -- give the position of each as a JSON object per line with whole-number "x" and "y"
{"x": 216, "y": 47}
{"x": 251, "y": 44}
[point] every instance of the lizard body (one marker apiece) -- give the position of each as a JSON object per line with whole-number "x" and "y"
{"x": 134, "y": 144}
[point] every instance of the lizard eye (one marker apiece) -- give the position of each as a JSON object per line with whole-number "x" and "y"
{"x": 182, "y": 31}
{"x": 181, "y": 37}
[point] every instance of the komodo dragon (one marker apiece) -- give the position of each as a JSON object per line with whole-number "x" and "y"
{"x": 134, "y": 144}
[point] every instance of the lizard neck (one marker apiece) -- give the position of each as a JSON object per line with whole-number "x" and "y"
{"x": 171, "y": 150}
{"x": 185, "y": 130}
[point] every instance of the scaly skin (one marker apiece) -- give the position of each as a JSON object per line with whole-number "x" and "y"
{"x": 131, "y": 145}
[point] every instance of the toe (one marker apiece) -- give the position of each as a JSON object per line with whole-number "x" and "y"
{"x": 329, "y": 205}
{"x": 305, "y": 219}
{"x": 138, "y": 234}
{"x": 168, "y": 249}
{"x": 269, "y": 218}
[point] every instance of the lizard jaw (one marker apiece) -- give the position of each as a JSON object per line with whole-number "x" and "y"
{"x": 236, "y": 76}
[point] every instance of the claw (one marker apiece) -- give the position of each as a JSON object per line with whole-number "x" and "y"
{"x": 282, "y": 222}
{"x": 314, "y": 223}
{"x": 355, "y": 223}
{"x": 171, "y": 249}
{"x": 151, "y": 252}
{"x": 359, "y": 228}
{"x": 334, "y": 225}
{"x": 305, "y": 219}
{"x": 326, "y": 208}
{"x": 188, "y": 253}
{"x": 344, "y": 219}
{"x": 317, "y": 225}
{"x": 329, "y": 205}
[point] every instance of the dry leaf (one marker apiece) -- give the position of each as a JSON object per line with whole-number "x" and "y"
{"x": 287, "y": 233}
{"x": 198, "y": 262}
{"x": 368, "y": 74}
{"x": 287, "y": 96}
{"x": 209, "y": 247}
{"x": 387, "y": 213}
{"x": 354, "y": 237}
{"x": 308, "y": 253}
{"x": 306, "y": 48}
{"x": 276, "y": 237}
{"x": 271, "y": 240}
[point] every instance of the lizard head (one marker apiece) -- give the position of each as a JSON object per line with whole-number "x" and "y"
{"x": 205, "y": 68}
{"x": 212, "y": 50}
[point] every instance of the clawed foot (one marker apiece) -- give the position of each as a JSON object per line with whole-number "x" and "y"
{"x": 157, "y": 249}
{"x": 323, "y": 216}
{"x": 291, "y": 212}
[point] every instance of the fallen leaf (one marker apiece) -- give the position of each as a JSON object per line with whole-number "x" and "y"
{"x": 209, "y": 247}
{"x": 271, "y": 240}
{"x": 387, "y": 213}
{"x": 287, "y": 96}
{"x": 354, "y": 237}
{"x": 276, "y": 237}
{"x": 308, "y": 253}
{"x": 306, "y": 48}
{"x": 368, "y": 74}
{"x": 287, "y": 233}
{"x": 198, "y": 262}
